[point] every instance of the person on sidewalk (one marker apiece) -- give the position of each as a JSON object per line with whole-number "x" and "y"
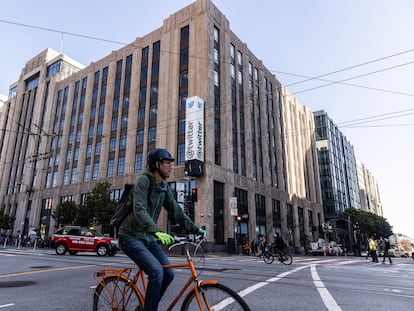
{"x": 385, "y": 247}
{"x": 373, "y": 249}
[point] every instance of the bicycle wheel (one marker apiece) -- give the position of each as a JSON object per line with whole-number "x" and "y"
{"x": 268, "y": 258}
{"x": 286, "y": 259}
{"x": 116, "y": 295}
{"x": 215, "y": 297}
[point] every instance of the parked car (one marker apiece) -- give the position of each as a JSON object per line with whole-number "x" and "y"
{"x": 322, "y": 247}
{"x": 75, "y": 239}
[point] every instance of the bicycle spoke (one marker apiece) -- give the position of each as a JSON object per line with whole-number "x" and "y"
{"x": 115, "y": 295}
{"x": 216, "y": 297}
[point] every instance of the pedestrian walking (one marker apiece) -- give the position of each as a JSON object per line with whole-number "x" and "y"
{"x": 385, "y": 247}
{"x": 373, "y": 249}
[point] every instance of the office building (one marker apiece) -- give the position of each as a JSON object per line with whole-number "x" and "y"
{"x": 338, "y": 176}
{"x": 71, "y": 127}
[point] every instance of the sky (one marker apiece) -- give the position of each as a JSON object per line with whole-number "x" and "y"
{"x": 360, "y": 55}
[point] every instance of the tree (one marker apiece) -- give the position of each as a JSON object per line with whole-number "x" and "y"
{"x": 99, "y": 205}
{"x": 6, "y": 221}
{"x": 65, "y": 213}
{"x": 369, "y": 224}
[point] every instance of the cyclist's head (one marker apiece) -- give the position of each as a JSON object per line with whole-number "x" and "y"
{"x": 158, "y": 157}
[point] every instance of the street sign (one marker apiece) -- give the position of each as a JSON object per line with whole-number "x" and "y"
{"x": 233, "y": 206}
{"x": 180, "y": 186}
{"x": 180, "y": 197}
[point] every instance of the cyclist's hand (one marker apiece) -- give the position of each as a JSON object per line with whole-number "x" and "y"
{"x": 164, "y": 238}
{"x": 201, "y": 232}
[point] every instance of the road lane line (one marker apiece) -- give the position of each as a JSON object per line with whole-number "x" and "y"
{"x": 327, "y": 299}
{"x": 8, "y": 305}
{"x": 252, "y": 288}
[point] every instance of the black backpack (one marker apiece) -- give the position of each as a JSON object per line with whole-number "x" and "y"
{"x": 125, "y": 204}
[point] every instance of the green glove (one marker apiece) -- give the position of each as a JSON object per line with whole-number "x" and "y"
{"x": 164, "y": 238}
{"x": 201, "y": 232}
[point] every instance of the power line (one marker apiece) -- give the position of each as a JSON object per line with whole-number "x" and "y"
{"x": 298, "y": 82}
{"x": 375, "y": 116}
{"x": 349, "y": 84}
{"x": 351, "y": 67}
{"x": 354, "y": 77}
{"x": 62, "y": 32}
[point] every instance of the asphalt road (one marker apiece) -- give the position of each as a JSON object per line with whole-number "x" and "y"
{"x": 44, "y": 281}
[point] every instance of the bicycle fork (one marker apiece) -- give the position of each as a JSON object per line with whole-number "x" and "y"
{"x": 200, "y": 294}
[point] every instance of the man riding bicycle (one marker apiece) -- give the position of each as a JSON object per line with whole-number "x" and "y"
{"x": 278, "y": 244}
{"x": 139, "y": 233}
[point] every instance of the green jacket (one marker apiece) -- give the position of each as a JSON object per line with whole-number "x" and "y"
{"x": 142, "y": 222}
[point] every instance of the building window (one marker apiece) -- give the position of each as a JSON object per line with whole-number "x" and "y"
{"x": 112, "y": 144}
{"x": 216, "y": 78}
{"x": 87, "y": 172}
{"x": 152, "y": 134}
{"x": 89, "y": 151}
{"x": 124, "y": 121}
{"x": 98, "y": 148}
{"x": 110, "y": 172}
{"x": 74, "y": 175}
{"x": 180, "y": 154}
{"x": 76, "y": 154}
{"x": 153, "y": 111}
{"x": 95, "y": 173}
{"x": 138, "y": 162}
{"x": 140, "y": 138}
{"x": 141, "y": 115}
{"x": 181, "y": 126}
{"x": 121, "y": 166}
{"x": 68, "y": 156}
{"x": 122, "y": 142}
{"x": 99, "y": 129}
{"x": 114, "y": 124}
{"x": 66, "y": 177}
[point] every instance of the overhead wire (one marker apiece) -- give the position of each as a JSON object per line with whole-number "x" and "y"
{"x": 298, "y": 82}
{"x": 203, "y": 58}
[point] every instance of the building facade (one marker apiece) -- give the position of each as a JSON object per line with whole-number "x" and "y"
{"x": 70, "y": 127}
{"x": 369, "y": 191}
{"x": 298, "y": 136}
{"x": 338, "y": 176}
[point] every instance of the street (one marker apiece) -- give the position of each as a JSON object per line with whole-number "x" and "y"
{"x": 42, "y": 280}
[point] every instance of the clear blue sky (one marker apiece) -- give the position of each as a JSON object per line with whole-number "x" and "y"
{"x": 293, "y": 39}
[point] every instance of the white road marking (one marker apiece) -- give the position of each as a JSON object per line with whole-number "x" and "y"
{"x": 327, "y": 299}
{"x": 271, "y": 280}
{"x": 8, "y": 305}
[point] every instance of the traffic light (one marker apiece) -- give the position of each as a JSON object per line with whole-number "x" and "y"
{"x": 194, "y": 194}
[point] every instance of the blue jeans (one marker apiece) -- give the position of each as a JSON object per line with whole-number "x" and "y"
{"x": 149, "y": 257}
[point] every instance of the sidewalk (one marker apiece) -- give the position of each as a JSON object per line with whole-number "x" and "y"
{"x": 12, "y": 249}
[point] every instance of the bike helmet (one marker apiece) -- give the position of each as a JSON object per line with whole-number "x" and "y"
{"x": 156, "y": 155}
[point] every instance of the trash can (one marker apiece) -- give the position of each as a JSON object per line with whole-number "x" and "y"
{"x": 231, "y": 246}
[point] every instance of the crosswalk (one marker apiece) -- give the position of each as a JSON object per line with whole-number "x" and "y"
{"x": 337, "y": 261}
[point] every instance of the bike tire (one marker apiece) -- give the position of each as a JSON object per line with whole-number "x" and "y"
{"x": 215, "y": 297}
{"x": 286, "y": 259}
{"x": 111, "y": 296}
{"x": 268, "y": 258}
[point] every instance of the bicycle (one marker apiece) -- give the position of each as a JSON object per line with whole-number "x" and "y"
{"x": 269, "y": 257}
{"x": 121, "y": 289}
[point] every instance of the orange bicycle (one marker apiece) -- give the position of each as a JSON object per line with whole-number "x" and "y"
{"x": 122, "y": 290}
